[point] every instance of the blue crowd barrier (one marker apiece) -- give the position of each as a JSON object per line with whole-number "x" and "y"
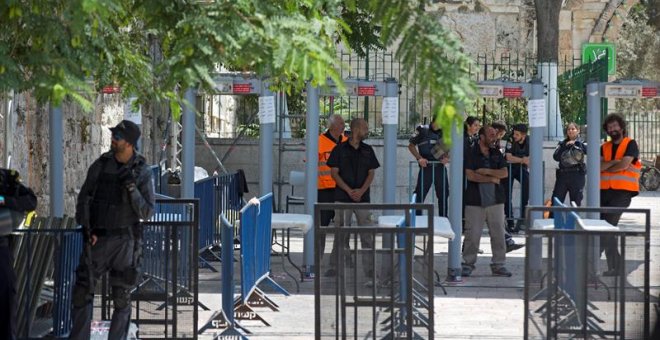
{"x": 256, "y": 236}
{"x": 47, "y": 251}
{"x": 68, "y": 257}
{"x": 170, "y": 279}
{"x": 255, "y": 233}
{"x": 205, "y": 192}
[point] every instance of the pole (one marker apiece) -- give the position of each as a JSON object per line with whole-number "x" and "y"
{"x": 188, "y": 152}
{"x": 266, "y": 132}
{"x": 536, "y": 180}
{"x": 455, "y": 203}
{"x": 593, "y": 147}
{"x": 56, "y": 171}
{"x": 593, "y": 163}
{"x": 311, "y": 170}
{"x": 389, "y": 157}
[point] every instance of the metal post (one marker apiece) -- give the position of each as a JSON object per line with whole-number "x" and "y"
{"x": 266, "y": 132}
{"x": 593, "y": 147}
{"x": 536, "y": 179}
{"x": 389, "y": 157}
{"x": 311, "y": 170}
{"x": 593, "y": 164}
{"x": 188, "y": 152}
{"x": 56, "y": 170}
{"x": 455, "y": 203}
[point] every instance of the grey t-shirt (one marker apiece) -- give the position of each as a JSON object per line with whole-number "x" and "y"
{"x": 487, "y": 193}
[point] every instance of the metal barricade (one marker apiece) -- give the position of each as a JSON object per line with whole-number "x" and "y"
{"x": 567, "y": 297}
{"x": 166, "y": 301}
{"x": 46, "y": 255}
{"x": 381, "y": 288}
{"x": 255, "y": 231}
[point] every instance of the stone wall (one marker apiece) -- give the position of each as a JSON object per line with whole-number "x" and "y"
{"x": 508, "y": 26}
{"x": 86, "y": 136}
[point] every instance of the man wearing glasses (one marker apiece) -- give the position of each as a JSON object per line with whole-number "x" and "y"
{"x": 116, "y": 196}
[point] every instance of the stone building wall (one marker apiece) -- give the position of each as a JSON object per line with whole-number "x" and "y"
{"x": 86, "y": 136}
{"x": 499, "y": 26}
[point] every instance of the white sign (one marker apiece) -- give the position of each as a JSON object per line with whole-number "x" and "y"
{"x": 536, "y": 112}
{"x": 623, "y": 91}
{"x": 131, "y": 114}
{"x": 390, "y": 110}
{"x": 266, "y": 109}
{"x": 490, "y": 91}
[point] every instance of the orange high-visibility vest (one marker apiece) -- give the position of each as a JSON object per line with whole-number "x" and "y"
{"x": 627, "y": 179}
{"x": 326, "y": 145}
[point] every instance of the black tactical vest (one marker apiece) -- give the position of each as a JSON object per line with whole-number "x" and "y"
{"x": 110, "y": 207}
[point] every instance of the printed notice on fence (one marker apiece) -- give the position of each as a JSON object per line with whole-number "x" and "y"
{"x": 390, "y": 110}
{"x": 536, "y": 111}
{"x": 267, "y": 110}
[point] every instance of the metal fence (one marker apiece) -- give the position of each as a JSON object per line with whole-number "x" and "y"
{"x": 166, "y": 302}
{"x": 382, "y": 288}
{"x": 46, "y": 255}
{"x": 568, "y": 298}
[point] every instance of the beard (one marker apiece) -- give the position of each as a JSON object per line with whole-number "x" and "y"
{"x": 615, "y": 135}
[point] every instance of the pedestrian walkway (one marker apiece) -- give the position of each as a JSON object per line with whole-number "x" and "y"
{"x": 483, "y": 307}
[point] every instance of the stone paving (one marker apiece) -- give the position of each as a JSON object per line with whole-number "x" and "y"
{"x": 483, "y": 307}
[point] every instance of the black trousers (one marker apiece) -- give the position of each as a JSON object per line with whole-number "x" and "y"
{"x": 114, "y": 254}
{"x": 436, "y": 174}
{"x": 608, "y": 244}
{"x": 520, "y": 174}
{"x": 325, "y": 196}
{"x": 571, "y": 183}
{"x": 8, "y": 325}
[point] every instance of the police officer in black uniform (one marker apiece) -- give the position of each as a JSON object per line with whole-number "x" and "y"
{"x": 15, "y": 200}
{"x": 117, "y": 194}
{"x": 571, "y": 174}
{"x": 517, "y": 154}
{"x": 431, "y": 155}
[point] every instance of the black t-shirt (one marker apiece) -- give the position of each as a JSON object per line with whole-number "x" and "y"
{"x": 425, "y": 138}
{"x": 518, "y": 150}
{"x": 354, "y": 165}
{"x": 484, "y": 194}
{"x": 631, "y": 151}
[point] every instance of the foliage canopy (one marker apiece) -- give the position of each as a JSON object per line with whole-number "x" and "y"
{"x": 151, "y": 48}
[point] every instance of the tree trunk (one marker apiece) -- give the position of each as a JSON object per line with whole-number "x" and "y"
{"x": 547, "y": 19}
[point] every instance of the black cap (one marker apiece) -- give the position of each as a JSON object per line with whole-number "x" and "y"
{"x": 520, "y": 127}
{"x": 127, "y": 130}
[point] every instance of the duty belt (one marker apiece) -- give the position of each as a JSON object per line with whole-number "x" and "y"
{"x": 571, "y": 169}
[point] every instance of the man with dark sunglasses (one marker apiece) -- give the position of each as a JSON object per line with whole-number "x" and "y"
{"x": 116, "y": 196}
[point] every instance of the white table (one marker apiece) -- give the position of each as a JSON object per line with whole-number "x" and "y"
{"x": 582, "y": 224}
{"x": 441, "y": 225}
{"x": 286, "y": 222}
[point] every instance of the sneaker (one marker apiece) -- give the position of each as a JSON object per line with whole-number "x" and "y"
{"x": 500, "y": 271}
{"x": 330, "y": 273}
{"x": 513, "y": 246}
{"x": 466, "y": 270}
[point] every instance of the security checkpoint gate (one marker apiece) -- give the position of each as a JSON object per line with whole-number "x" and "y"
{"x": 231, "y": 84}
{"x": 623, "y": 89}
{"x": 389, "y": 90}
{"x": 536, "y": 108}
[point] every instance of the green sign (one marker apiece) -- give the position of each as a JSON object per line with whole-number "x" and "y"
{"x": 592, "y": 52}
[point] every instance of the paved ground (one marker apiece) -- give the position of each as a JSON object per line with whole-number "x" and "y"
{"x": 483, "y": 307}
